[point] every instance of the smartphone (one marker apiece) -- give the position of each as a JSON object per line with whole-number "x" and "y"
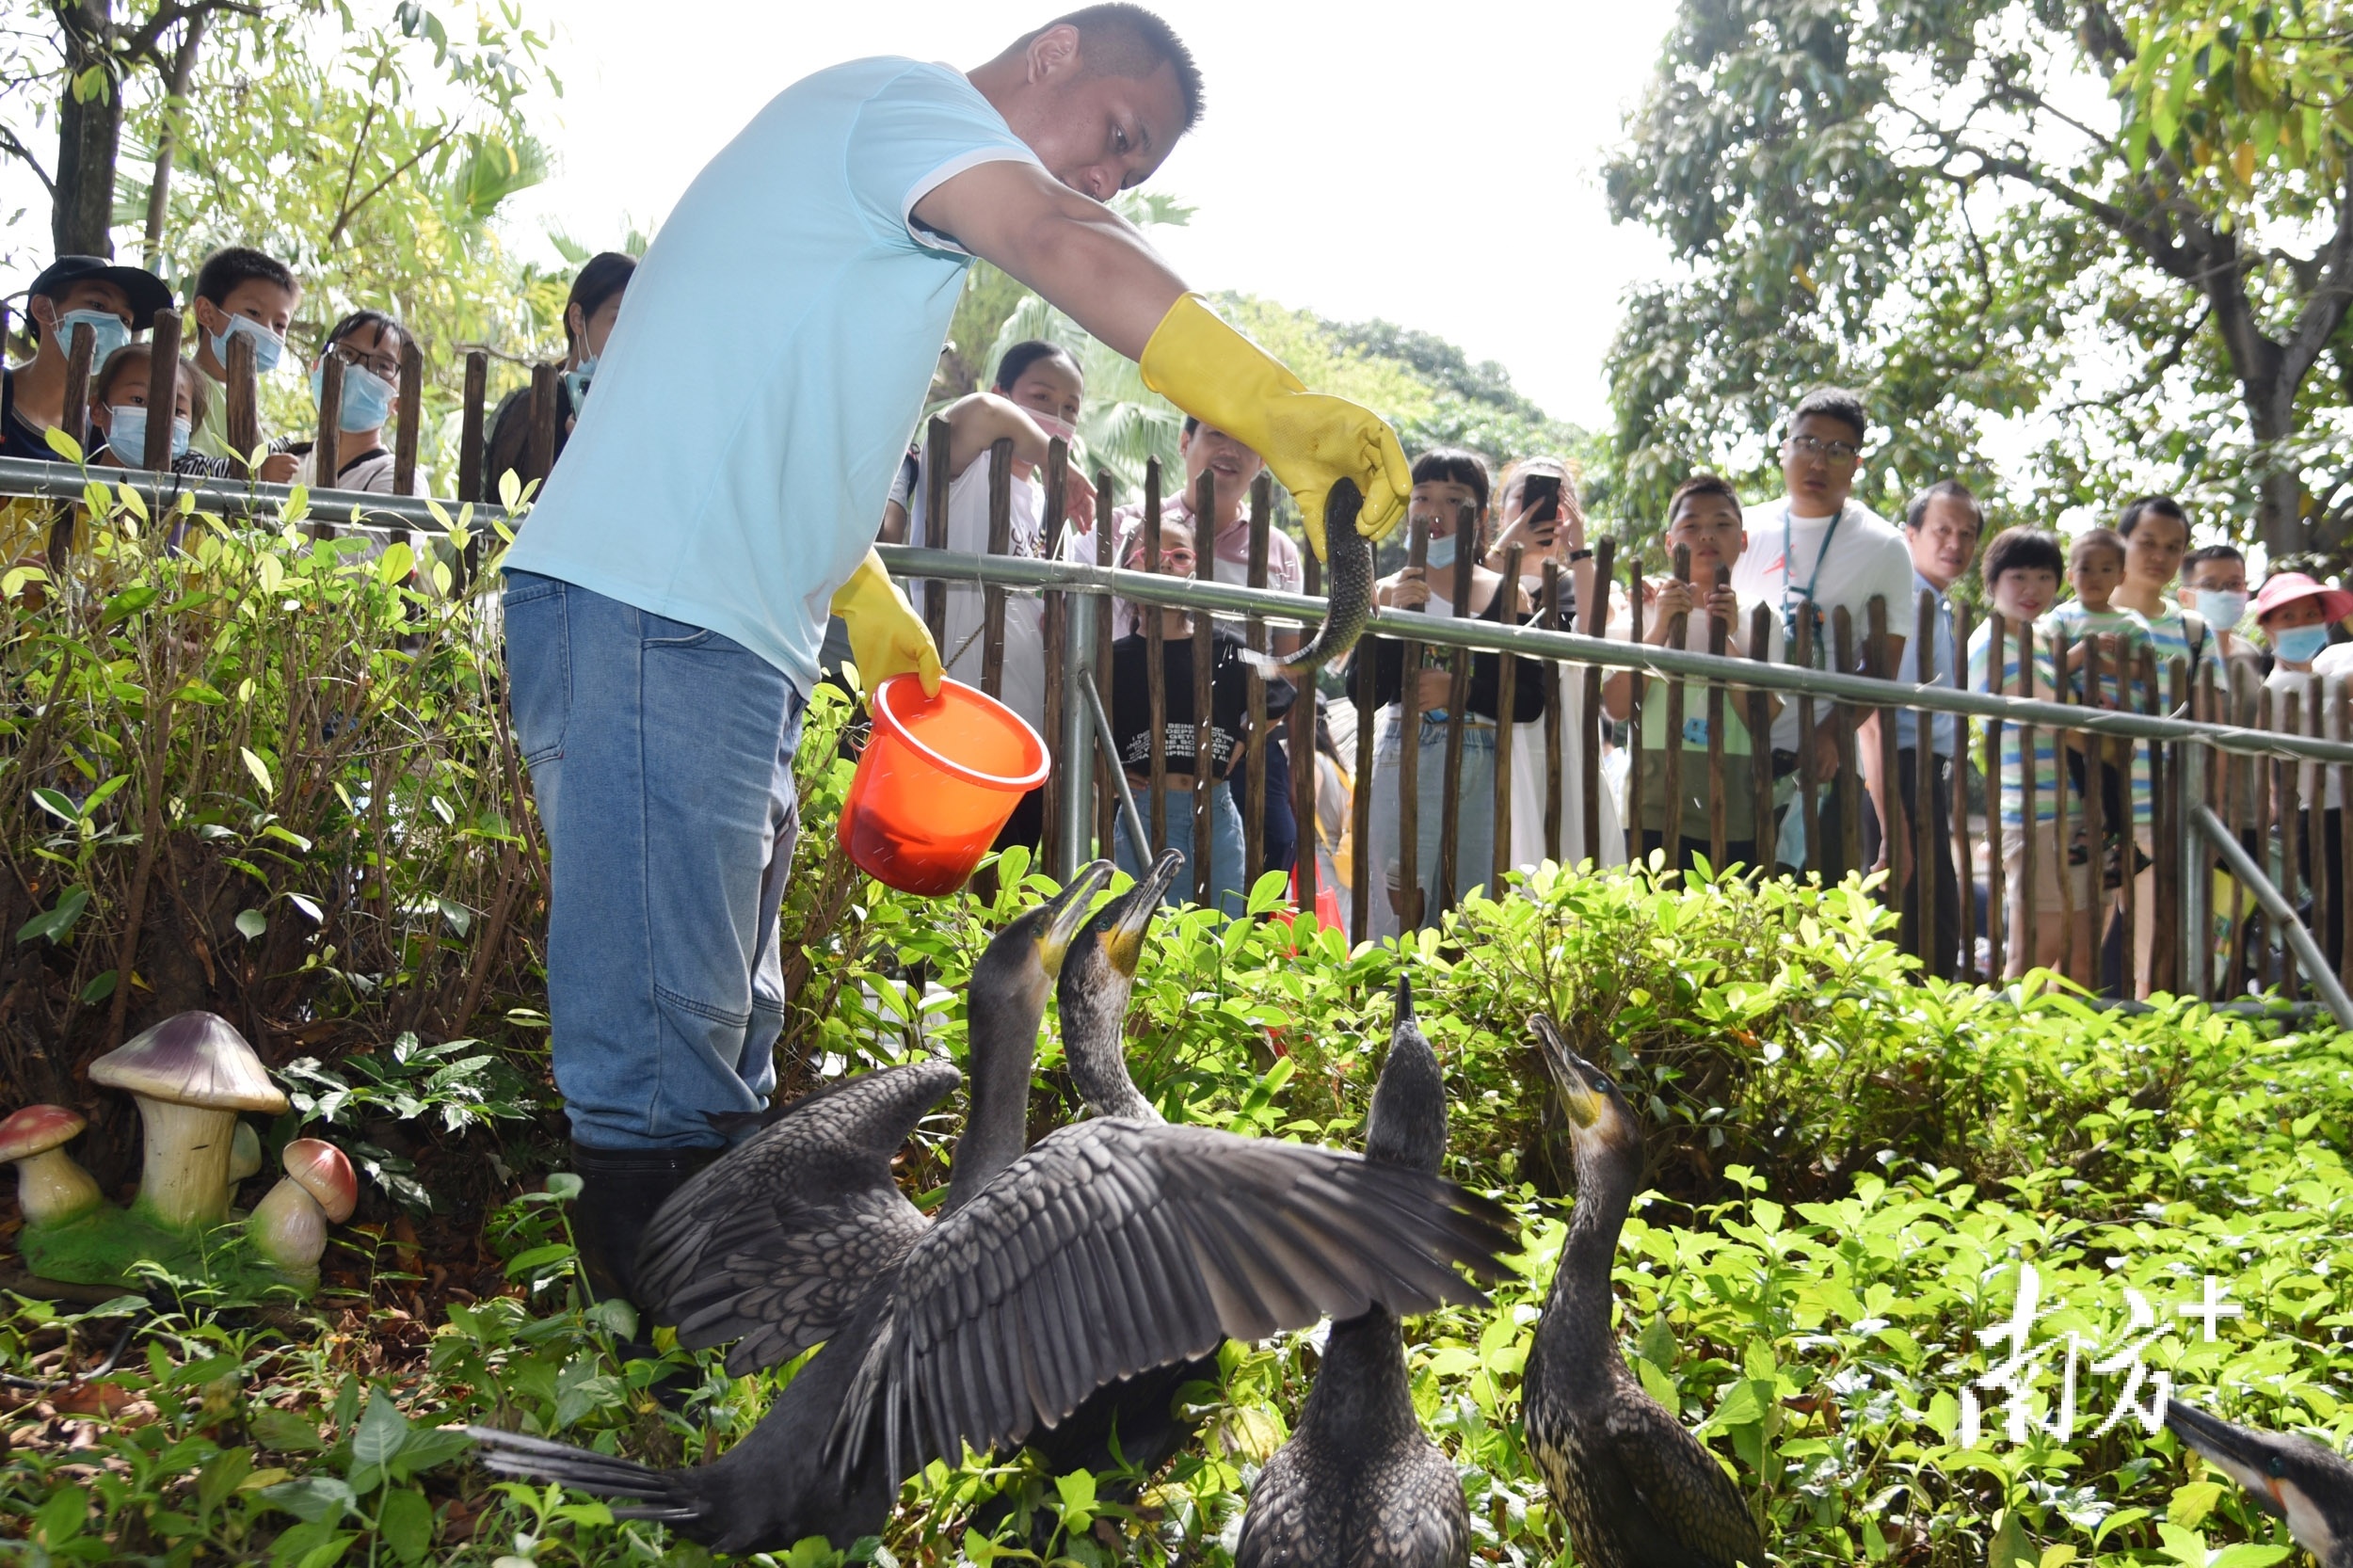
{"x": 1540, "y": 498}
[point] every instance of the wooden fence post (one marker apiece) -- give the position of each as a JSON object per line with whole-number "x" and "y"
{"x": 163, "y": 390}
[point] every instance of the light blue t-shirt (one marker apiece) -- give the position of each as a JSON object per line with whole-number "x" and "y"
{"x": 771, "y": 359}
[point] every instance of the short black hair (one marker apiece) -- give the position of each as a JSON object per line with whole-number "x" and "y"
{"x": 1835, "y": 403}
{"x": 2203, "y": 554}
{"x": 2147, "y": 505}
{"x": 1702, "y": 484}
{"x": 1131, "y": 42}
{"x": 1017, "y": 361}
{"x": 602, "y": 276}
{"x": 1916, "y": 510}
{"x": 1452, "y": 465}
{"x": 358, "y": 319}
{"x": 2023, "y": 549}
{"x": 232, "y": 264}
{"x": 142, "y": 355}
{"x": 2093, "y": 542}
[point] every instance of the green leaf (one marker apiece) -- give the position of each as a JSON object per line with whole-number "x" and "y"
{"x": 62, "y": 445}
{"x": 382, "y": 1431}
{"x": 313, "y": 1499}
{"x": 59, "y": 1520}
{"x": 260, "y": 770}
{"x": 284, "y": 1432}
{"x": 55, "y": 924}
{"x": 407, "y": 1525}
{"x": 220, "y": 1477}
{"x": 2192, "y": 1501}
{"x": 252, "y": 922}
{"x": 99, "y": 989}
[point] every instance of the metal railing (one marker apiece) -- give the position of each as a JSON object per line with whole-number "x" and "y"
{"x": 2208, "y": 771}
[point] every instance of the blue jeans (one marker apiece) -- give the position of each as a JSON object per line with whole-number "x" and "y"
{"x": 661, "y": 759}
{"x": 1474, "y": 822}
{"x": 1227, "y": 891}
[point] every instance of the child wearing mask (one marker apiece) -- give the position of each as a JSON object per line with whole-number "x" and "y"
{"x": 240, "y": 292}
{"x": 118, "y": 414}
{"x": 2022, "y": 569}
{"x": 369, "y": 344}
{"x": 2295, "y": 614}
{"x": 1035, "y": 398}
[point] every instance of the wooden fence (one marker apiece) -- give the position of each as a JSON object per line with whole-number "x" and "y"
{"x": 2128, "y": 876}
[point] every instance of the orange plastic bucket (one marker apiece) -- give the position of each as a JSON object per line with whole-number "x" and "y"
{"x": 935, "y": 784}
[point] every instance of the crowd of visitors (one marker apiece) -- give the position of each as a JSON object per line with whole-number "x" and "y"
{"x": 242, "y": 293}
{"x": 2107, "y": 596}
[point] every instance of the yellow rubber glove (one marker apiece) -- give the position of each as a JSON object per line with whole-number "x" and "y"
{"x": 1222, "y": 379}
{"x": 887, "y": 636}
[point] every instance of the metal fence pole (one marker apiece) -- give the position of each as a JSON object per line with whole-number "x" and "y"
{"x": 1074, "y": 797}
{"x": 2189, "y": 785}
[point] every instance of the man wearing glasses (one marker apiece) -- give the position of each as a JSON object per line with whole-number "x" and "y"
{"x": 1813, "y": 551}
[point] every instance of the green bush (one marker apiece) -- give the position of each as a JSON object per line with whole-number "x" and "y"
{"x": 261, "y": 773}
{"x": 1850, "y": 1171}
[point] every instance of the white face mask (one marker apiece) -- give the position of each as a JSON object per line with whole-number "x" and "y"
{"x": 1055, "y": 427}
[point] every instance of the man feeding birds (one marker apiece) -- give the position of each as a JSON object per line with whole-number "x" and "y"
{"x": 665, "y": 602}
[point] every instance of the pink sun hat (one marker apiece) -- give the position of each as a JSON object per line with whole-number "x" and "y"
{"x": 2284, "y": 588}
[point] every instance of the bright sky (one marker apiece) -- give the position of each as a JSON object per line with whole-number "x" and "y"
{"x": 1437, "y": 166}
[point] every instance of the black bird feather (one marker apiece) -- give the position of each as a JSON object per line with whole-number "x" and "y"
{"x": 1360, "y": 1484}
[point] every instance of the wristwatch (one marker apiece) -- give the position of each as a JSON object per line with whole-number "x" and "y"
{"x": 1576, "y": 555}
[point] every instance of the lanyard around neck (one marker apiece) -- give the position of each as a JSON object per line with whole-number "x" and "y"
{"x": 1788, "y": 566}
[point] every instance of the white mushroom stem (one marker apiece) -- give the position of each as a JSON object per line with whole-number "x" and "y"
{"x": 51, "y": 1189}
{"x": 289, "y": 1228}
{"x": 245, "y": 1159}
{"x": 183, "y": 1181}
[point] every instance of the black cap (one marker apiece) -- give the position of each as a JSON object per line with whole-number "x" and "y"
{"x": 143, "y": 288}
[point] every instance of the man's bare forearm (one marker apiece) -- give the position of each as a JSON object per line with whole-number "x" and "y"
{"x": 1088, "y": 262}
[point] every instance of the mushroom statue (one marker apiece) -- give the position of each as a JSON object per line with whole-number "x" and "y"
{"x": 289, "y": 1226}
{"x": 51, "y": 1189}
{"x": 190, "y": 1075}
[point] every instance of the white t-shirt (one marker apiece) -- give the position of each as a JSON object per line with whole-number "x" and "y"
{"x": 1863, "y": 557}
{"x": 770, "y": 361}
{"x": 2323, "y": 682}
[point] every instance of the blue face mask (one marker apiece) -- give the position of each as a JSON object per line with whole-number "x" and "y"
{"x": 576, "y": 381}
{"x": 2299, "y": 645}
{"x": 105, "y": 324}
{"x": 267, "y": 345}
{"x": 367, "y": 397}
{"x": 126, "y": 434}
{"x": 1441, "y": 554}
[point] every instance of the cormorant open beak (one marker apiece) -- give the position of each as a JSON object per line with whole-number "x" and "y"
{"x": 1066, "y": 913}
{"x": 2235, "y": 1451}
{"x": 1124, "y": 941}
{"x": 1579, "y": 1079}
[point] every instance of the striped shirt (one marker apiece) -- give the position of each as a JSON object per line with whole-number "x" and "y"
{"x": 2012, "y": 768}
{"x": 2078, "y": 621}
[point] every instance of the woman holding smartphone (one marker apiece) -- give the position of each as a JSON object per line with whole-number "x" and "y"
{"x": 1540, "y": 512}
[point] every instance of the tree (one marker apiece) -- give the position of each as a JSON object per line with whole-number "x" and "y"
{"x": 373, "y": 156}
{"x": 1956, "y": 205}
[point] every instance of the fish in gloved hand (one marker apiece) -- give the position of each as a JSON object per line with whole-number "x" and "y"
{"x": 1349, "y": 599}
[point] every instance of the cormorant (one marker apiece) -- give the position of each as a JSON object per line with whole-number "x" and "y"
{"x": 1636, "y": 1489}
{"x": 2294, "y": 1479}
{"x": 1360, "y": 1484}
{"x": 1111, "y": 1247}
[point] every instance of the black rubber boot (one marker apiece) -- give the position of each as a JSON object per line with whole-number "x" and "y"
{"x": 620, "y": 1192}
